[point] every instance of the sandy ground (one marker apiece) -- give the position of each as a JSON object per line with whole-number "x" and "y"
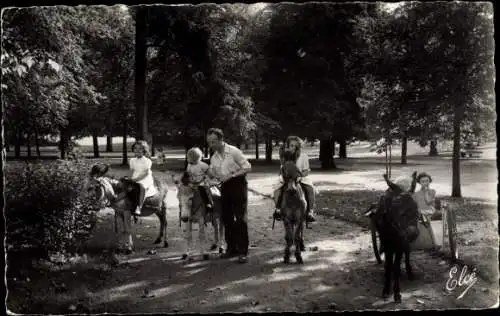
{"x": 339, "y": 270}
{"x": 340, "y": 275}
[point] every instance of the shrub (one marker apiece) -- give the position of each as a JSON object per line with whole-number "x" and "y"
{"x": 48, "y": 208}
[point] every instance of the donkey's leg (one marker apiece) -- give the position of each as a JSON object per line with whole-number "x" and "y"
{"x": 301, "y": 244}
{"x": 288, "y": 239}
{"x": 120, "y": 229}
{"x": 127, "y": 219}
{"x": 116, "y": 222}
{"x": 298, "y": 239}
{"x": 202, "y": 238}
{"x": 215, "y": 225}
{"x": 188, "y": 236}
{"x": 389, "y": 257}
{"x": 221, "y": 234}
{"x": 165, "y": 223}
{"x": 409, "y": 270}
{"x": 397, "y": 274}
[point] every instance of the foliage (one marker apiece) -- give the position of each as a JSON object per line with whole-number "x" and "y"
{"x": 427, "y": 68}
{"x": 47, "y": 206}
{"x": 56, "y": 69}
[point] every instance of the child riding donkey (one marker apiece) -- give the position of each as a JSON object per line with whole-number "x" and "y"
{"x": 197, "y": 171}
{"x": 293, "y": 146}
{"x": 140, "y": 167}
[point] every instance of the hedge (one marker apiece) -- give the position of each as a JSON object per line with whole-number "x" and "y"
{"x": 48, "y": 208}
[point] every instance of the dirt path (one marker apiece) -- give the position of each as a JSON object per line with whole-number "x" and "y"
{"x": 341, "y": 275}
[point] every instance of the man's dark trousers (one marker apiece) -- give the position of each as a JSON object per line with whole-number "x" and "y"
{"x": 234, "y": 214}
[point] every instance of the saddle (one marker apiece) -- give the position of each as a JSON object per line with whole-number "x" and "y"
{"x": 154, "y": 201}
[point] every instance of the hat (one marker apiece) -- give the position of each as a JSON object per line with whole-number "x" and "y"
{"x": 423, "y": 175}
{"x": 403, "y": 182}
{"x": 99, "y": 169}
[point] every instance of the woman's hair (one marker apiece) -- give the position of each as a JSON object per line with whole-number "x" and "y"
{"x": 194, "y": 154}
{"x": 424, "y": 175}
{"x": 145, "y": 147}
{"x": 217, "y": 132}
{"x": 297, "y": 139}
{"x": 98, "y": 170}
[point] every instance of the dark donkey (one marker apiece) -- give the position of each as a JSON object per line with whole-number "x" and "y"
{"x": 293, "y": 206}
{"x": 396, "y": 220}
{"x": 123, "y": 201}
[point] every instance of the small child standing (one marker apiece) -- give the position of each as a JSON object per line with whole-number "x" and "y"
{"x": 140, "y": 166}
{"x": 197, "y": 171}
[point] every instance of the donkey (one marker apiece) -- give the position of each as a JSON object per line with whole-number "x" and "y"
{"x": 293, "y": 207}
{"x": 192, "y": 210}
{"x": 396, "y": 221}
{"x": 122, "y": 196}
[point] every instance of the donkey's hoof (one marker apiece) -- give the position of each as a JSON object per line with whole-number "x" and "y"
{"x": 157, "y": 241}
{"x": 221, "y": 250}
{"x": 165, "y": 244}
{"x": 214, "y": 246}
{"x": 206, "y": 257}
{"x": 299, "y": 259}
{"x": 184, "y": 256}
{"x": 302, "y": 247}
{"x": 286, "y": 259}
{"x": 397, "y": 298}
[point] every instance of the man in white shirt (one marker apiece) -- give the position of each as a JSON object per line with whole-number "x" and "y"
{"x": 229, "y": 165}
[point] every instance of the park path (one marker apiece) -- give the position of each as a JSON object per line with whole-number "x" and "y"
{"x": 341, "y": 274}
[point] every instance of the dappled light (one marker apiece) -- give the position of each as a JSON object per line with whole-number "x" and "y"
{"x": 80, "y": 85}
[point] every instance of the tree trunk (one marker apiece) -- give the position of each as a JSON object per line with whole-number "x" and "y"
{"x": 124, "y": 145}
{"x": 37, "y": 144}
{"x": 28, "y": 144}
{"x": 433, "y": 151}
{"x": 457, "y": 117}
{"x": 140, "y": 73}
{"x": 63, "y": 143}
{"x": 269, "y": 150}
{"x": 404, "y": 150}
{"x": 109, "y": 143}
{"x": 95, "y": 142}
{"x": 390, "y": 159}
{"x": 17, "y": 145}
{"x": 326, "y": 152}
{"x": 153, "y": 152}
{"x": 256, "y": 146}
{"x": 342, "y": 149}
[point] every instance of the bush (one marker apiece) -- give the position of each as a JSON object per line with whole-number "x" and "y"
{"x": 48, "y": 208}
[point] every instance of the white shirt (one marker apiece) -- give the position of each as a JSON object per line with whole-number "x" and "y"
{"x": 303, "y": 165}
{"x": 232, "y": 160}
{"x": 140, "y": 165}
{"x": 197, "y": 172}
